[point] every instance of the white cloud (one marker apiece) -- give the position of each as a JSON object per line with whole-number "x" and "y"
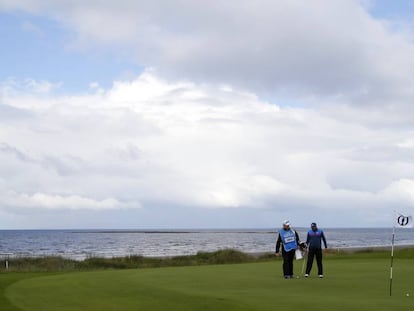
{"x": 403, "y": 190}
{"x": 148, "y": 142}
{"x": 406, "y": 144}
{"x": 41, "y": 201}
{"x": 13, "y": 86}
{"x": 193, "y": 129}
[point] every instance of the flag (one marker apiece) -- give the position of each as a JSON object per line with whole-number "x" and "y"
{"x": 402, "y": 221}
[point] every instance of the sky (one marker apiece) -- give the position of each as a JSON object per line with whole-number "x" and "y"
{"x": 205, "y": 114}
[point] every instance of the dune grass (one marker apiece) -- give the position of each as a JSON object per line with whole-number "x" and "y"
{"x": 357, "y": 281}
{"x": 53, "y": 264}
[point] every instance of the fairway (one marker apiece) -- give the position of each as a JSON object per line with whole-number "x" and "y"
{"x": 355, "y": 283}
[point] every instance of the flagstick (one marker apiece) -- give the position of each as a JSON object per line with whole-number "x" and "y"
{"x": 392, "y": 258}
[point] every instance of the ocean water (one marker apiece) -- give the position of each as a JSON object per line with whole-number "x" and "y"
{"x": 80, "y": 244}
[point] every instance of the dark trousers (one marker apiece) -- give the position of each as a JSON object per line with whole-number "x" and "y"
{"x": 288, "y": 262}
{"x": 312, "y": 253}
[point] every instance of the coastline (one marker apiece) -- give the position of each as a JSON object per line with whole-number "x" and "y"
{"x": 107, "y": 243}
{"x": 331, "y": 250}
{"x": 224, "y": 256}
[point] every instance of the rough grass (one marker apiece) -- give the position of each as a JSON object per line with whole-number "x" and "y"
{"x": 54, "y": 264}
{"x": 226, "y": 256}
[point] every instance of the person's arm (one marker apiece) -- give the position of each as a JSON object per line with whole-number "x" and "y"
{"x": 297, "y": 238}
{"x": 324, "y": 239}
{"x": 279, "y": 241}
{"x": 308, "y": 239}
{"x": 302, "y": 245}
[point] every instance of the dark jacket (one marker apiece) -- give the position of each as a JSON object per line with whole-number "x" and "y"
{"x": 314, "y": 239}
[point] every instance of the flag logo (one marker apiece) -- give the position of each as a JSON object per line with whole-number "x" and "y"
{"x": 404, "y": 221}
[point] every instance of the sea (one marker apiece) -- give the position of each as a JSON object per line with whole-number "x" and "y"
{"x": 81, "y": 244}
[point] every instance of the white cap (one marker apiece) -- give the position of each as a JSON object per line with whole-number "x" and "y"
{"x": 286, "y": 223}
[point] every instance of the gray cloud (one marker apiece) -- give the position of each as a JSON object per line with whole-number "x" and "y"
{"x": 10, "y": 113}
{"x": 332, "y": 50}
{"x": 7, "y": 149}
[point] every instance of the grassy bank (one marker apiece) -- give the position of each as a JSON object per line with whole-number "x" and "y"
{"x": 54, "y": 264}
{"x": 357, "y": 281}
{"x": 226, "y": 256}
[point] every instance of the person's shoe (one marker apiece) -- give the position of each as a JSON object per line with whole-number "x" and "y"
{"x": 321, "y": 276}
{"x": 286, "y": 276}
{"x": 306, "y": 275}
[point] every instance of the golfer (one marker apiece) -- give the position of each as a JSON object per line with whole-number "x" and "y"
{"x": 289, "y": 238}
{"x": 314, "y": 243}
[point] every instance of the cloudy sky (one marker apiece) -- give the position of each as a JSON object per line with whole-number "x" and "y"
{"x": 205, "y": 114}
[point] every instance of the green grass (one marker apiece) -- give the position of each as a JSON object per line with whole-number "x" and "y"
{"x": 357, "y": 281}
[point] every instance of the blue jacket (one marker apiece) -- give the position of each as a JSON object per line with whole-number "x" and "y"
{"x": 314, "y": 239}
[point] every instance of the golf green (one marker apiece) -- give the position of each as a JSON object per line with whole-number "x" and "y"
{"x": 356, "y": 283}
